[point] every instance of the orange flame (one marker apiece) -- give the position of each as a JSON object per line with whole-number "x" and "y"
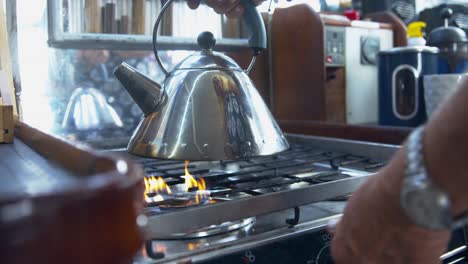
{"x": 192, "y": 246}
{"x": 155, "y": 185}
{"x": 191, "y": 182}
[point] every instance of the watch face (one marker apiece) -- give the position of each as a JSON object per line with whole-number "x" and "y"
{"x": 427, "y": 206}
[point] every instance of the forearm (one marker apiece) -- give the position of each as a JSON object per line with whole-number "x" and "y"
{"x": 446, "y": 149}
{"x": 388, "y": 236}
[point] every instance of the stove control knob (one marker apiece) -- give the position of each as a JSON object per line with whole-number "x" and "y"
{"x": 324, "y": 256}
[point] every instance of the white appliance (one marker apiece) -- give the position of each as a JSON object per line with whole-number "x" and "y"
{"x": 363, "y": 41}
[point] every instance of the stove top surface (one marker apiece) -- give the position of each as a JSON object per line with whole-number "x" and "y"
{"x": 266, "y": 229}
{"x": 278, "y": 196}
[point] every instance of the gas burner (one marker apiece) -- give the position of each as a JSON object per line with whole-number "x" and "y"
{"x": 177, "y": 203}
{"x": 276, "y": 182}
{"x": 168, "y": 202}
{"x": 314, "y": 177}
{"x": 176, "y": 195}
{"x": 212, "y": 230}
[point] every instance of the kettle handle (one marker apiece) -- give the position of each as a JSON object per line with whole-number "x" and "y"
{"x": 251, "y": 17}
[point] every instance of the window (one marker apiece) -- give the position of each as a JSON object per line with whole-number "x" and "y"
{"x": 62, "y": 89}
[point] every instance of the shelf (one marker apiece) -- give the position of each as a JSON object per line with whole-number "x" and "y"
{"x": 57, "y": 38}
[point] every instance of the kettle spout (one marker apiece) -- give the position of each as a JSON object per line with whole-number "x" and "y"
{"x": 145, "y": 92}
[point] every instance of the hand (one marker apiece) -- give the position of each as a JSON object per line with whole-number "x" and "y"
{"x": 232, "y": 8}
{"x": 375, "y": 230}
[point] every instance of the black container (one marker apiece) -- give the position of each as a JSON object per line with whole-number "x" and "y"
{"x": 404, "y": 9}
{"x": 401, "y": 94}
{"x": 453, "y": 46}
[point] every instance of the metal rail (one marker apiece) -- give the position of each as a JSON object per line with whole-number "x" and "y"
{"x": 178, "y": 221}
{"x": 190, "y": 219}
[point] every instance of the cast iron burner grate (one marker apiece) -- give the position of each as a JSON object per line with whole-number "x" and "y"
{"x": 298, "y": 167}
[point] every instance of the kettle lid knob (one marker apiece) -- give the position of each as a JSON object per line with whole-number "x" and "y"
{"x": 446, "y": 13}
{"x": 206, "y": 40}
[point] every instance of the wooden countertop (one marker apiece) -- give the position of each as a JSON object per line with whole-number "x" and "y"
{"x": 23, "y": 172}
{"x": 59, "y": 203}
{"x": 378, "y": 134}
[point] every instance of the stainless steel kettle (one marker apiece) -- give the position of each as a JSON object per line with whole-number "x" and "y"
{"x": 207, "y": 108}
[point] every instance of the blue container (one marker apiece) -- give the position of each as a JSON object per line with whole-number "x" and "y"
{"x": 453, "y": 58}
{"x": 401, "y": 92}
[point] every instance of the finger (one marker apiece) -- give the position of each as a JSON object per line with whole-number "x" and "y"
{"x": 390, "y": 257}
{"x": 236, "y": 12}
{"x": 214, "y": 3}
{"x": 331, "y": 225}
{"x": 342, "y": 254}
{"x": 341, "y": 250}
{"x": 226, "y": 6}
{"x": 193, "y": 4}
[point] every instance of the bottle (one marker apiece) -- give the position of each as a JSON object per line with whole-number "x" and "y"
{"x": 415, "y": 34}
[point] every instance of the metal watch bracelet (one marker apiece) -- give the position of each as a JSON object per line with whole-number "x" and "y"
{"x": 424, "y": 203}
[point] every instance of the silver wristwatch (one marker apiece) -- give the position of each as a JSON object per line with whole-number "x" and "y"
{"x": 423, "y": 202}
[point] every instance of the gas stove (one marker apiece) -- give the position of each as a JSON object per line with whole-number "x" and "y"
{"x": 270, "y": 209}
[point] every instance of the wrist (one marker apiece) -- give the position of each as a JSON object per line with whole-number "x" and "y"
{"x": 445, "y": 159}
{"x": 389, "y": 182}
{"x": 446, "y": 144}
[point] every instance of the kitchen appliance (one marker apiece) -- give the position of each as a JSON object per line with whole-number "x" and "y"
{"x": 262, "y": 210}
{"x": 328, "y": 72}
{"x": 432, "y": 15}
{"x": 362, "y": 47}
{"x": 401, "y": 94}
{"x": 453, "y": 45}
{"x": 277, "y": 205}
{"x": 355, "y": 48}
{"x": 207, "y": 108}
{"x": 284, "y": 201}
